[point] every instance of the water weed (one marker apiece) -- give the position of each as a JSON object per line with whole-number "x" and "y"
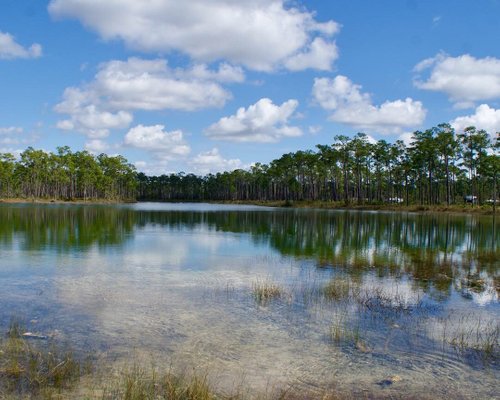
{"x": 264, "y": 291}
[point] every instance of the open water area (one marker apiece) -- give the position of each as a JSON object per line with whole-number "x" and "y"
{"x": 364, "y": 303}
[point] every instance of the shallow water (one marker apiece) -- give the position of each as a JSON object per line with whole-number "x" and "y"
{"x": 417, "y": 311}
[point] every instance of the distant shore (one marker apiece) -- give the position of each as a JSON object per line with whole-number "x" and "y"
{"x": 327, "y": 205}
{"x": 60, "y": 201}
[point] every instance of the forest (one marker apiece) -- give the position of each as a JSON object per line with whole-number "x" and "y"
{"x": 66, "y": 175}
{"x": 438, "y": 167}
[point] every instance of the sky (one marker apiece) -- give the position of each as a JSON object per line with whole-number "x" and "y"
{"x": 203, "y": 86}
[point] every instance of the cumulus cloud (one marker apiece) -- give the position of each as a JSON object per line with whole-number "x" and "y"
{"x": 485, "y": 117}
{"x": 348, "y": 105}
{"x": 319, "y": 55}
{"x": 407, "y": 138}
{"x": 226, "y": 73}
{"x": 121, "y": 87}
{"x": 464, "y": 79}
{"x": 156, "y": 168}
{"x": 261, "y": 122}
{"x": 96, "y": 146}
{"x": 212, "y": 161}
{"x": 151, "y": 85}
{"x": 162, "y": 144}
{"x": 10, "y": 49}
{"x": 93, "y": 122}
{"x": 259, "y": 34}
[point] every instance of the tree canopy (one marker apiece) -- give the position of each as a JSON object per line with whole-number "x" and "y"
{"x": 437, "y": 167}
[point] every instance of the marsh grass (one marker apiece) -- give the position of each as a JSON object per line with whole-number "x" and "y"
{"x": 138, "y": 383}
{"x": 378, "y": 300}
{"x": 474, "y": 337}
{"x": 337, "y": 289}
{"x": 264, "y": 291}
{"x": 36, "y": 371}
{"x": 341, "y": 331}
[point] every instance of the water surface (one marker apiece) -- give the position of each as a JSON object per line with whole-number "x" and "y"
{"x": 417, "y": 295}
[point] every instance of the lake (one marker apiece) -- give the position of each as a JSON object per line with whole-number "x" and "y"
{"x": 366, "y": 303}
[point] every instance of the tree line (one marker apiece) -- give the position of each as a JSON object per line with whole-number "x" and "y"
{"x": 438, "y": 167}
{"x": 66, "y": 175}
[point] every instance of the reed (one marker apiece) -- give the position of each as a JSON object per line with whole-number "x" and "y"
{"x": 36, "y": 371}
{"x": 264, "y": 291}
{"x": 337, "y": 289}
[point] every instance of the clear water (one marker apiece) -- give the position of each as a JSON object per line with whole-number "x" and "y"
{"x": 174, "y": 284}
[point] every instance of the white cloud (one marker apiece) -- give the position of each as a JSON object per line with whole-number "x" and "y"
{"x": 13, "y": 138}
{"x": 261, "y": 122}
{"x": 319, "y": 55}
{"x": 315, "y": 129}
{"x": 155, "y": 168}
{"x": 121, "y": 87}
{"x": 9, "y": 141}
{"x": 485, "y": 117}
{"x": 226, "y": 73}
{"x": 259, "y": 34}
{"x": 164, "y": 145}
{"x": 10, "y": 130}
{"x": 96, "y": 146}
{"x": 93, "y": 122}
{"x": 371, "y": 139}
{"x": 407, "y": 138}
{"x": 212, "y": 161}
{"x": 151, "y": 85}
{"x": 464, "y": 79}
{"x": 352, "y": 107}
{"x": 10, "y": 49}
{"x": 16, "y": 152}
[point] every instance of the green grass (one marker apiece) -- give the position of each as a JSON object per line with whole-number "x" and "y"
{"x": 341, "y": 332}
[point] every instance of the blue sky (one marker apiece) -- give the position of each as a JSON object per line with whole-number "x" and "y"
{"x": 204, "y": 86}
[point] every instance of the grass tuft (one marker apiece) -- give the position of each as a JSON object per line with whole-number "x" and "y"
{"x": 264, "y": 291}
{"x": 26, "y": 370}
{"x": 337, "y": 289}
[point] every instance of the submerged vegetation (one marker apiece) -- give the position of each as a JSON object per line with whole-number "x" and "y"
{"x": 45, "y": 372}
{"x": 27, "y": 370}
{"x": 34, "y": 369}
{"x": 337, "y": 289}
{"x": 264, "y": 291}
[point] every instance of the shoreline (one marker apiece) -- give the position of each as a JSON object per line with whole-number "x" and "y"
{"x": 323, "y": 205}
{"x": 59, "y": 201}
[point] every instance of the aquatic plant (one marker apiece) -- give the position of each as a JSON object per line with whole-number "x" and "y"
{"x": 377, "y": 299}
{"x": 263, "y": 291}
{"x": 341, "y": 331}
{"x": 138, "y": 383}
{"x": 35, "y": 371}
{"x": 337, "y": 289}
{"x": 474, "y": 336}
